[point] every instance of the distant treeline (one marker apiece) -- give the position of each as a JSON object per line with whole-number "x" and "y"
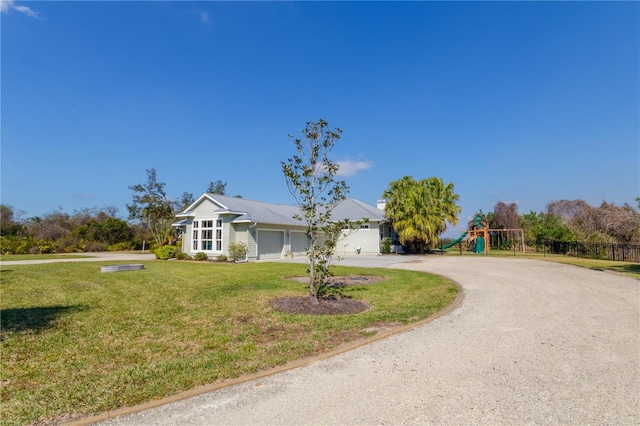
{"x": 563, "y": 221}
{"x": 99, "y": 229}
{"x": 95, "y": 229}
{"x": 572, "y": 221}
{"x": 88, "y": 230}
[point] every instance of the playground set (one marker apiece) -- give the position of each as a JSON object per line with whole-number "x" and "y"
{"x": 479, "y": 236}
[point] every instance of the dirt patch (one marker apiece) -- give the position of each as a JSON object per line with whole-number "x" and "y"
{"x": 326, "y": 306}
{"x": 302, "y": 305}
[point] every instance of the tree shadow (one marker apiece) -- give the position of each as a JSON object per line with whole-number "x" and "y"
{"x": 631, "y": 269}
{"x": 34, "y": 319}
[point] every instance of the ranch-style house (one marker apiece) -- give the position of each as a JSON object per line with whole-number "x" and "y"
{"x": 213, "y": 222}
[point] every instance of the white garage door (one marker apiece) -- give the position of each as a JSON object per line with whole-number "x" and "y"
{"x": 270, "y": 244}
{"x": 299, "y": 243}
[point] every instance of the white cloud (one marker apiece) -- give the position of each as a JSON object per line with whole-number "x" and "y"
{"x": 27, "y": 11}
{"x": 7, "y": 5}
{"x": 204, "y": 17}
{"x": 350, "y": 168}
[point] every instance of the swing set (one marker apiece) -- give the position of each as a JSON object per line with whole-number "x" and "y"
{"x": 480, "y": 238}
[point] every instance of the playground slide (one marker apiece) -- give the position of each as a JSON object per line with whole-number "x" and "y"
{"x": 453, "y": 243}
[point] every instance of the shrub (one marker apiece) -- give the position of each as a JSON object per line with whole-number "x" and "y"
{"x": 12, "y": 244}
{"x": 69, "y": 244}
{"x": 44, "y": 247}
{"x": 122, "y": 246}
{"x": 386, "y": 245}
{"x": 201, "y": 256}
{"x": 27, "y": 246}
{"x": 165, "y": 252}
{"x": 94, "y": 246}
{"x": 222, "y": 258}
{"x": 238, "y": 251}
{"x": 180, "y": 255}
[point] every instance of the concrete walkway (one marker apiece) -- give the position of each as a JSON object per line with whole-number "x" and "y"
{"x": 532, "y": 343}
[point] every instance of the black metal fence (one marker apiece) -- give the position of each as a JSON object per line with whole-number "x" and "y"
{"x": 604, "y": 251}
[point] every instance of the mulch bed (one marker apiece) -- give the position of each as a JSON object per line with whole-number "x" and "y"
{"x": 326, "y": 306}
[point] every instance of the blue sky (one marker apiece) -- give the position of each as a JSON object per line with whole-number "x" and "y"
{"x": 522, "y": 102}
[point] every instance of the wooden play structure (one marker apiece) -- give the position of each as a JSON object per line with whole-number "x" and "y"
{"x": 479, "y": 236}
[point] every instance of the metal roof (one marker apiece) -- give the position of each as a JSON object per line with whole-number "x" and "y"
{"x": 353, "y": 209}
{"x": 281, "y": 214}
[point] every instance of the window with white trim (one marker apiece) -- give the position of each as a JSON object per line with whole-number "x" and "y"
{"x": 194, "y": 237}
{"x": 206, "y": 235}
{"x": 219, "y": 235}
{"x": 203, "y": 235}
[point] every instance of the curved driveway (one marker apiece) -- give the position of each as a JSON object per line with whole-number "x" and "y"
{"x": 532, "y": 343}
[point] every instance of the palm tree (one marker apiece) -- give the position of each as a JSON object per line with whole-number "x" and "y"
{"x": 420, "y": 210}
{"x": 395, "y": 195}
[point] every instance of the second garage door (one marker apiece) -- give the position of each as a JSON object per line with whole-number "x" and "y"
{"x": 270, "y": 244}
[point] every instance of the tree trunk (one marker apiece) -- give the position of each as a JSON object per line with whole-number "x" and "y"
{"x": 312, "y": 292}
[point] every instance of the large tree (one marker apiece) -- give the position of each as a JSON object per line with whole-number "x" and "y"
{"x": 505, "y": 216}
{"x": 607, "y": 223}
{"x": 107, "y": 230}
{"x": 9, "y": 224}
{"x": 152, "y": 207}
{"x": 218, "y": 187}
{"x": 540, "y": 227}
{"x": 310, "y": 176}
{"x": 420, "y": 210}
{"x": 185, "y": 200}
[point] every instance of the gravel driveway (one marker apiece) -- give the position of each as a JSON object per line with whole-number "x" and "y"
{"x": 532, "y": 343}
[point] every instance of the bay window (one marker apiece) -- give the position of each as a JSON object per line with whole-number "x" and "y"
{"x": 203, "y": 235}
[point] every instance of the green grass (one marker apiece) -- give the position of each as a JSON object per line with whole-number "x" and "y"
{"x": 11, "y": 257}
{"x": 625, "y": 268}
{"x": 76, "y": 341}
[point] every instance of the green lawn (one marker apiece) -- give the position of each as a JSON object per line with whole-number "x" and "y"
{"x": 625, "y": 268}
{"x": 76, "y": 341}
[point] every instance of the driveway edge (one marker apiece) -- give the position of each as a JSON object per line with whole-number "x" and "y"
{"x": 289, "y": 366}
